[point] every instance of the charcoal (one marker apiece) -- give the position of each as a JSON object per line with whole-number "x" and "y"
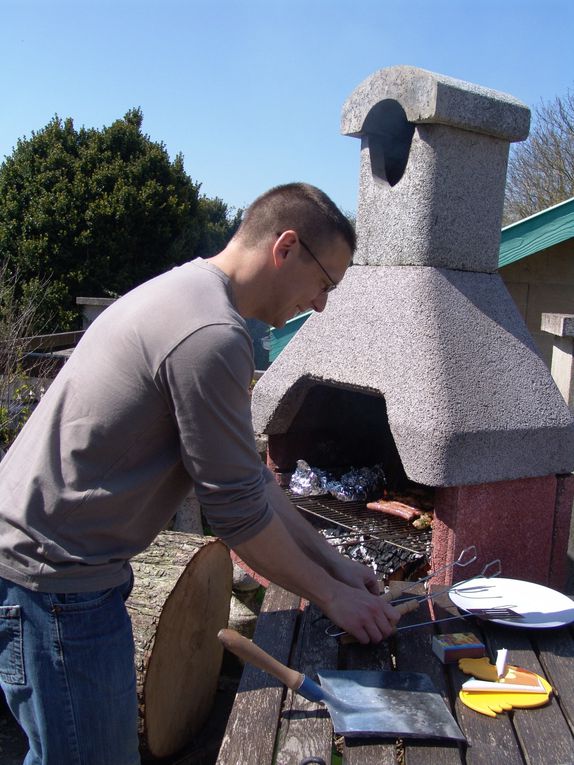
{"x": 385, "y": 559}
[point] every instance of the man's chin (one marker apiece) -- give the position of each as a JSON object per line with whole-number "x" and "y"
{"x": 281, "y": 322}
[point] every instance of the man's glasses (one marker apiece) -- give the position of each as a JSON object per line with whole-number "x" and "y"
{"x": 333, "y": 284}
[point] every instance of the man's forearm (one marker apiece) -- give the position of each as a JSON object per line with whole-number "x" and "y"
{"x": 276, "y": 554}
{"x": 302, "y": 531}
{"x": 343, "y": 590}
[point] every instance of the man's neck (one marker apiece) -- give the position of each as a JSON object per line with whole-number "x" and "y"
{"x": 246, "y": 271}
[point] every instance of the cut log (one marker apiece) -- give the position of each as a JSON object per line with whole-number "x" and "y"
{"x": 180, "y": 600}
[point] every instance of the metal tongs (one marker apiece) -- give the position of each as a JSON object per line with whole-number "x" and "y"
{"x": 495, "y": 568}
{"x": 466, "y": 557}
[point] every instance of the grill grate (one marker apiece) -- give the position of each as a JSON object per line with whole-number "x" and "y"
{"x": 354, "y": 517}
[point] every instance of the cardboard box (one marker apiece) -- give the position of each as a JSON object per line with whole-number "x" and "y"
{"x": 457, "y": 645}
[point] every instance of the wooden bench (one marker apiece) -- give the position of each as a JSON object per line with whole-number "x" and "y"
{"x": 271, "y": 725}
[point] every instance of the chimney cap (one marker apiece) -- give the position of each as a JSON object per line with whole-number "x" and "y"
{"x": 432, "y": 98}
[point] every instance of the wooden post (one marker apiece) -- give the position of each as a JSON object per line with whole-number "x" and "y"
{"x": 561, "y": 325}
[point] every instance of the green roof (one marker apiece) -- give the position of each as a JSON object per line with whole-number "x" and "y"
{"x": 537, "y": 232}
{"x": 279, "y": 337}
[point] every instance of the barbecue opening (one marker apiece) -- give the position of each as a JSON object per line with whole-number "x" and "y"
{"x": 336, "y": 430}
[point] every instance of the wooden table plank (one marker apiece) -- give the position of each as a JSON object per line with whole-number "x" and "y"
{"x": 543, "y": 733}
{"x": 556, "y": 655}
{"x": 305, "y": 728}
{"x": 486, "y": 737}
{"x": 259, "y": 696}
{"x": 413, "y": 652}
{"x": 262, "y": 731}
{"x": 367, "y": 751}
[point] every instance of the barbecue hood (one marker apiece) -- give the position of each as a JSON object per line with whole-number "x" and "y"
{"x": 422, "y": 319}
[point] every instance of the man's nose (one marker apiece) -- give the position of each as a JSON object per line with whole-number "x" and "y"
{"x": 320, "y": 302}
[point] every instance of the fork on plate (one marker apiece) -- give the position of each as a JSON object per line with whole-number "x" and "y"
{"x": 496, "y": 612}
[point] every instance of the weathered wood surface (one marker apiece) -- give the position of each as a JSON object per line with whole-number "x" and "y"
{"x": 254, "y": 719}
{"x": 540, "y": 736}
{"x": 180, "y": 600}
{"x": 486, "y": 737}
{"x": 543, "y": 733}
{"x": 412, "y": 649}
{"x": 305, "y": 726}
{"x": 556, "y": 657}
{"x": 366, "y": 751}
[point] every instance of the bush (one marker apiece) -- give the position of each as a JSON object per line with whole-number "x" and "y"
{"x": 18, "y": 394}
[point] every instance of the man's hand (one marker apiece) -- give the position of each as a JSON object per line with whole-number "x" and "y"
{"x": 291, "y": 553}
{"x": 355, "y": 574}
{"x": 364, "y": 615}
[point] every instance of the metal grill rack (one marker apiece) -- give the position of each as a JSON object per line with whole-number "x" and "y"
{"x": 392, "y": 539}
{"x": 355, "y": 517}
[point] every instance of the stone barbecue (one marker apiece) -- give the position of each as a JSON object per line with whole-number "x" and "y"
{"x": 421, "y": 361}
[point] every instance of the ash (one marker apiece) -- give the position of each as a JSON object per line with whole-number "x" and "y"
{"x": 384, "y": 558}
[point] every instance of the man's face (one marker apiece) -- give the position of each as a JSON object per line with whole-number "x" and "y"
{"x": 309, "y": 275}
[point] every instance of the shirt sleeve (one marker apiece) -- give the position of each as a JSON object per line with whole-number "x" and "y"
{"x": 207, "y": 378}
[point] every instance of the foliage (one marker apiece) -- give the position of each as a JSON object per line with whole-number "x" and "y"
{"x": 15, "y": 412}
{"x": 17, "y": 394}
{"x": 215, "y": 225}
{"x": 94, "y": 212}
{"x": 351, "y": 215}
{"x": 218, "y": 225}
{"x": 541, "y": 170}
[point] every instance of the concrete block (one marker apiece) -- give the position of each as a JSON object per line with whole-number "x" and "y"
{"x": 468, "y": 398}
{"x": 543, "y": 298}
{"x": 188, "y": 517}
{"x": 559, "y": 324}
{"x": 446, "y": 211}
{"x": 428, "y": 97}
{"x": 434, "y": 152}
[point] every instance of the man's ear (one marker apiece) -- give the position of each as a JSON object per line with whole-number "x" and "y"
{"x": 283, "y": 246}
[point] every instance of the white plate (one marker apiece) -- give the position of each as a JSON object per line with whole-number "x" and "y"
{"x": 540, "y": 606}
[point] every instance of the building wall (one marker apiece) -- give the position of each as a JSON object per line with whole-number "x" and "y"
{"x": 542, "y": 283}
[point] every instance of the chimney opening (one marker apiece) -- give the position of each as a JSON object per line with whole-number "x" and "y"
{"x": 388, "y": 134}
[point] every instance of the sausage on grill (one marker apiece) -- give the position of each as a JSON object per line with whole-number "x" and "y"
{"x": 398, "y": 509}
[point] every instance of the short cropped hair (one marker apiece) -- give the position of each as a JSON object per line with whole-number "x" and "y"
{"x": 300, "y": 207}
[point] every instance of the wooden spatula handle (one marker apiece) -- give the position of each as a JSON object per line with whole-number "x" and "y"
{"x": 248, "y": 651}
{"x": 407, "y": 606}
{"x": 402, "y": 608}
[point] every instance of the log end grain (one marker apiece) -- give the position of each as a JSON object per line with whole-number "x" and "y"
{"x": 180, "y": 657}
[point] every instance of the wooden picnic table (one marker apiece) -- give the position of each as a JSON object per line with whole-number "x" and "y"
{"x": 269, "y": 725}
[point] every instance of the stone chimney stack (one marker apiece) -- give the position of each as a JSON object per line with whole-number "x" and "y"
{"x": 447, "y": 143}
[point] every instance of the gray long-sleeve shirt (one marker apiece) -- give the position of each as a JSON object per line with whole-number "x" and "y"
{"x": 153, "y": 400}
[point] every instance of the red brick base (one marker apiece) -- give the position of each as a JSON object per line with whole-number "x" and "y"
{"x": 525, "y": 523}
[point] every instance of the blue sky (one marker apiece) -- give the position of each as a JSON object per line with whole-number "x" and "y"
{"x": 251, "y": 91}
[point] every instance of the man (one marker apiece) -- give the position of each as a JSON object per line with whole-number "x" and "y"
{"x": 154, "y": 400}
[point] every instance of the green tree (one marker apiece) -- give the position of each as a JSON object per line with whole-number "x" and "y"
{"x": 218, "y": 224}
{"x": 541, "y": 169}
{"x": 95, "y": 212}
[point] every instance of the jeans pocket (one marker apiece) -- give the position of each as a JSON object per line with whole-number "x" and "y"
{"x": 74, "y": 601}
{"x": 11, "y": 648}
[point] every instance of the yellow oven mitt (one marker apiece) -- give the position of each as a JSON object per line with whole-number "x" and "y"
{"x": 492, "y": 702}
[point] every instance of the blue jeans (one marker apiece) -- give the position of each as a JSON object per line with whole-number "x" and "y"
{"x": 67, "y": 670}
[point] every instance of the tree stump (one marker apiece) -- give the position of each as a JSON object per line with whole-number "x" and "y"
{"x": 180, "y": 600}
